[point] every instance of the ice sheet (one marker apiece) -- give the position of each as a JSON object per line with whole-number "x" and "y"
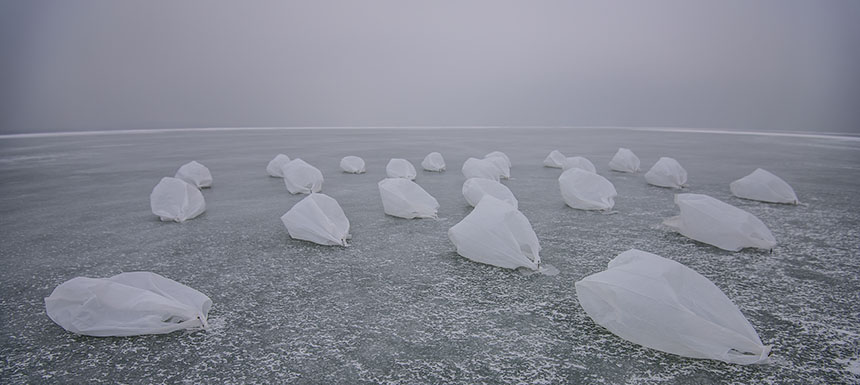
{"x": 399, "y": 305}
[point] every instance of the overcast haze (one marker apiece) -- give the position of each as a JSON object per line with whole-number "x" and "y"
{"x": 754, "y": 65}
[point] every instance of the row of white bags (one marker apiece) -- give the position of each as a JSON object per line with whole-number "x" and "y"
{"x": 641, "y": 297}
{"x": 666, "y": 172}
{"x": 760, "y": 185}
{"x": 396, "y": 168}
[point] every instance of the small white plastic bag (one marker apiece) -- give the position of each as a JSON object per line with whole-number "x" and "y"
{"x": 352, "y": 164}
{"x": 667, "y": 172}
{"x": 406, "y": 199}
{"x": 274, "y": 168}
{"x": 555, "y": 159}
{"x": 433, "y": 162}
{"x": 302, "y": 178}
{"x": 195, "y": 174}
{"x": 586, "y": 190}
{"x": 763, "y": 186}
{"x": 318, "y": 218}
{"x": 720, "y": 224}
{"x": 495, "y": 233}
{"x": 176, "y": 200}
{"x": 400, "y": 168}
{"x": 624, "y": 161}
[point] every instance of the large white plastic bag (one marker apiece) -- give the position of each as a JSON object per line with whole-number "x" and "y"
{"x": 127, "y": 304}
{"x": 174, "y": 199}
{"x": 319, "y": 219}
{"x": 352, "y": 164}
{"x": 400, "y": 168}
{"x": 717, "y": 223}
{"x": 661, "y": 304}
{"x": 481, "y": 168}
{"x": 433, "y": 162}
{"x": 578, "y": 162}
{"x": 555, "y": 159}
{"x": 667, "y": 172}
{"x": 763, "y": 186}
{"x": 302, "y": 178}
{"x": 495, "y": 233}
{"x": 476, "y": 188}
{"x": 195, "y": 174}
{"x": 406, "y": 199}
{"x": 502, "y": 165}
{"x": 586, "y": 190}
{"x": 499, "y": 154}
{"x": 274, "y": 168}
{"x": 624, "y": 161}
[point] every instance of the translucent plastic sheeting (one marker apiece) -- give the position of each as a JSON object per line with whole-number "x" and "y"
{"x": 586, "y": 190}
{"x": 481, "y": 168}
{"x": 476, "y": 188}
{"x": 496, "y": 233}
{"x": 661, "y": 304}
{"x": 319, "y": 219}
{"x": 175, "y": 200}
{"x": 195, "y": 174}
{"x": 763, "y": 186}
{"x": 720, "y": 224}
{"x": 504, "y": 168}
{"x": 406, "y": 199}
{"x": 274, "y": 168}
{"x": 352, "y": 164}
{"x": 499, "y": 154}
{"x": 433, "y": 162}
{"x": 400, "y": 168}
{"x": 555, "y": 159}
{"x": 667, "y": 172}
{"x": 578, "y": 162}
{"x": 624, "y": 161}
{"x": 302, "y": 178}
{"x": 127, "y": 304}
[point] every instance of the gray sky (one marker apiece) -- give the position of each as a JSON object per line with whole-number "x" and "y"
{"x": 744, "y": 64}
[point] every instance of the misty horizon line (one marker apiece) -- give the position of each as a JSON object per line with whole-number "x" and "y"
{"x": 724, "y": 131}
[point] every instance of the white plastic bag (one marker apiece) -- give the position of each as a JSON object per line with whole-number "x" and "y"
{"x": 667, "y": 172}
{"x": 481, "y": 168}
{"x": 433, "y": 162}
{"x": 276, "y": 164}
{"x": 127, "y": 304}
{"x": 720, "y": 224}
{"x": 624, "y": 161}
{"x": 495, "y": 233}
{"x": 406, "y": 199}
{"x": 174, "y": 199}
{"x": 661, "y": 304}
{"x": 586, "y": 190}
{"x": 555, "y": 159}
{"x": 502, "y": 165}
{"x": 763, "y": 186}
{"x": 578, "y": 162}
{"x": 400, "y": 168}
{"x": 500, "y": 155}
{"x": 352, "y": 165}
{"x": 319, "y": 219}
{"x": 476, "y": 188}
{"x": 195, "y": 174}
{"x": 302, "y": 178}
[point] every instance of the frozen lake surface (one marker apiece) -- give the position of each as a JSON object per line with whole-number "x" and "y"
{"x": 399, "y": 305}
